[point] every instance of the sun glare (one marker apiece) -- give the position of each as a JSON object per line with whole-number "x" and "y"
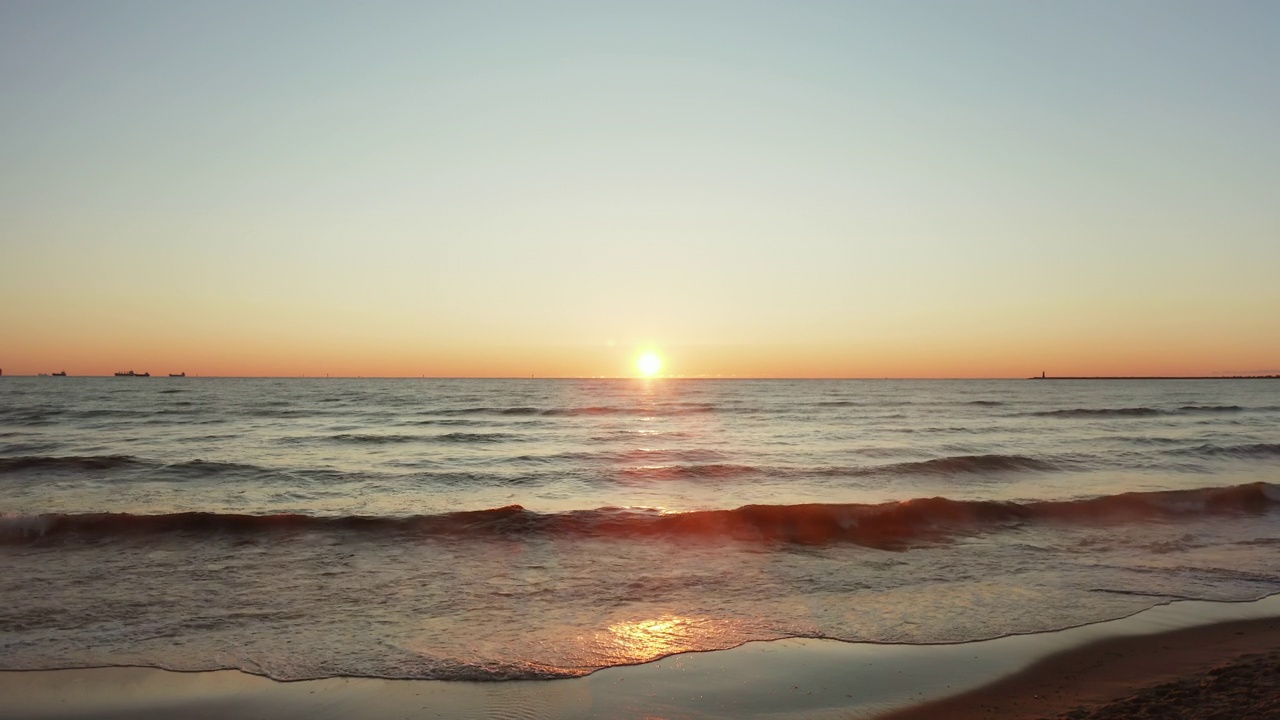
{"x": 649, "y": 364}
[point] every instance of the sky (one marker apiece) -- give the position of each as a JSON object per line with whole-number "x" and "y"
{"x": 757, "y": 189}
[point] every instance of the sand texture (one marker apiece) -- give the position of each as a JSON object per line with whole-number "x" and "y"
{"x": 1247, "y": 689}
{"x": 1226, "y": 670}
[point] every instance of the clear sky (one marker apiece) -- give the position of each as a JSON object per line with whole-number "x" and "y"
{"x": 936, "y": 189}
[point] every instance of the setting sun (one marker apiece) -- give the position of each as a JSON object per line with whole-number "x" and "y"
{"x": 649, "y": 364}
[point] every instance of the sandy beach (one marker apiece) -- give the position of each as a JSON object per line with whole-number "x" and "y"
{"x": 1227, "y": 671}
{"x": 1186, "y": 660}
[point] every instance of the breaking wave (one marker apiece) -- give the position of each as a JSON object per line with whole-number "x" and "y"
{"x": 891, "y": 525}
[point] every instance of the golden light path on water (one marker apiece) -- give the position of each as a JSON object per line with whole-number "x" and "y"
{"x": 645, "y": 640}
{"x": 561, "y": 651}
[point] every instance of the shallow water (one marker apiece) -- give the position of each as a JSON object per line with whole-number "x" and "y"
{"x": 496, "y": 529}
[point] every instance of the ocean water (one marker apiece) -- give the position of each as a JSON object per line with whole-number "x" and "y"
{"x": 519, "y": 529}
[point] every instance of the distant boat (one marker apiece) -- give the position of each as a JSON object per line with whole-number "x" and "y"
{"x": 181, "y": 374}
{"x": 133, "y": 374}
{"x": 60, "y": 374}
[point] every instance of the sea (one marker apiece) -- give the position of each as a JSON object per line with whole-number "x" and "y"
{"x": 523, "y": 529}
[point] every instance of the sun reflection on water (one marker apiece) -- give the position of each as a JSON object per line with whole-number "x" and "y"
{"x": 644, "y": 640}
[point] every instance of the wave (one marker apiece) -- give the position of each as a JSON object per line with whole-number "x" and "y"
{"x": 644, "y": 455}
{"x": 891, "y": 525}
{"x": 88, "y": 462}
{"x": 520, "y": 411}
{"x": 462, "y": 437}
{"x": 1139, "y": 411}
{"x": 658, "y": 464}
{"x": 27, "y": 448}
{"x": 196, "y": 469}
{"x": 453, "y": 437}
{"x": 661, "y": 464}
{"x": 283, "y": 413}
{"x": 30, "y": 417}
{"x": 684, "y": 472}
{"x": 954, "y": 465}
{"x": 206, "y": 468}
{"x": 966, "y": 464}
{"x": 701, "y": 464}
{"x": 362, "y": 439}
{"x": 664, "y": 409}
{"x": 1247, "y": 451}
{"x": 1102, "y": 412}
{"x": 91, "y": 413}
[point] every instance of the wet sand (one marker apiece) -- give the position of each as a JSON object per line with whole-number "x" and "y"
{"x": 1159, "y": 662}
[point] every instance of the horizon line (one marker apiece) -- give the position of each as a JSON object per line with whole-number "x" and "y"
{"x": 668, "y": 377}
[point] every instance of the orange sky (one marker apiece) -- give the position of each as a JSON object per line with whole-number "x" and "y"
{"x": 834, "y": 190}
{"x": 924, "y": 358}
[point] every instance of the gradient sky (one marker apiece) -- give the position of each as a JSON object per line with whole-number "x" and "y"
{"x": 937, "y": 189}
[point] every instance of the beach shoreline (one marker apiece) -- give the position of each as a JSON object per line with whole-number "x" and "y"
{"x": 1026, "y": 676}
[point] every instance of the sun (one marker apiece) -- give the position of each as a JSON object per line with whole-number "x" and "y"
{"x": 649, "y": 364}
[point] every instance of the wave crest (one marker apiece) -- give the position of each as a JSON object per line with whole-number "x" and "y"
{"x": 964, "y": 464}
{"x": 680, "y": 472}
{"x": 1247, "y": 451}
{"x": 892, "y": 525}
{"x": 1102, "y": 412}
{"x": 87, "y": 462}
{"x": 1139, "y": 411}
